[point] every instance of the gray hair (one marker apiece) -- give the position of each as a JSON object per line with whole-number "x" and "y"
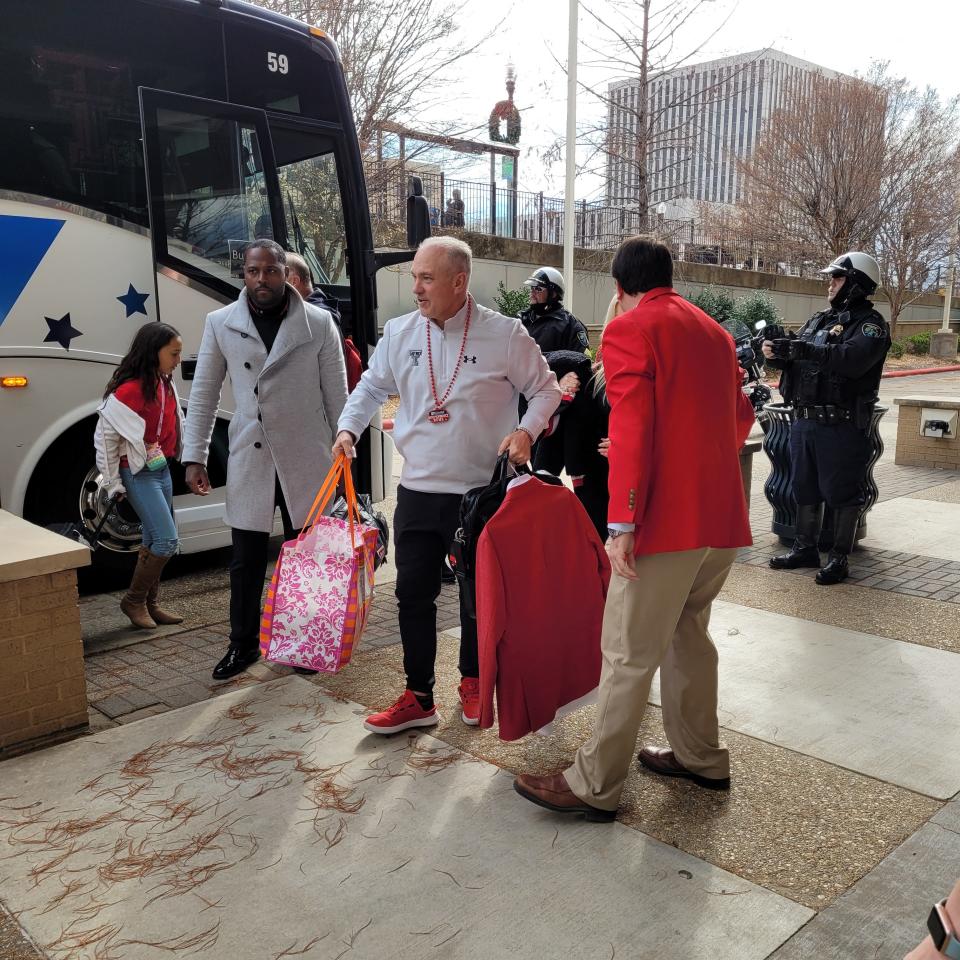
{"x": 458, "y": 254}
{"x": 299, "y": 266}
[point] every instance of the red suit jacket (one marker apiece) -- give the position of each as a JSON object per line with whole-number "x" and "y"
{"x": 542, "y": 576}
{"x": 677, "y": 421}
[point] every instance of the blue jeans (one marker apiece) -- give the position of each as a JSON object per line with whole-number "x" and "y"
{"x": 151, "y": 494}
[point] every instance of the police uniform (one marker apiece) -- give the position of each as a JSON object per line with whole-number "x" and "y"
{"x": 831, "y": 378}
{"x": 554, "y": 328}
{"x": 833, "y": 389}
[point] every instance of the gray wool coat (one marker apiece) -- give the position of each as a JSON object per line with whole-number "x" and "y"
{"x": 287, "y": 407}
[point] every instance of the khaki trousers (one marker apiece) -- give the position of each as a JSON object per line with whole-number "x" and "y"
{"x": 657, "y": 621}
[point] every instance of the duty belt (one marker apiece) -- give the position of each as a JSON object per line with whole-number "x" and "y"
{"x": 828, "y": 413}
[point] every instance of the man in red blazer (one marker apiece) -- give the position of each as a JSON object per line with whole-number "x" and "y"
{"x": 677, "y": 515}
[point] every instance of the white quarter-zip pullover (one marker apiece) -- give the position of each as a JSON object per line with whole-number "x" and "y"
{"x": 501, "y": 361}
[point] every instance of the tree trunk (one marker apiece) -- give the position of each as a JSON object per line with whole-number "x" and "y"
{"x": 643, "y": 118}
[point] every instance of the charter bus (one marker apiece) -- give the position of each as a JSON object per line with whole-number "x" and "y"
{"x": 144, "y": 142}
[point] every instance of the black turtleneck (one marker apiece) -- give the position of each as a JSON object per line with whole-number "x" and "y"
{"x": 267, "y": 320}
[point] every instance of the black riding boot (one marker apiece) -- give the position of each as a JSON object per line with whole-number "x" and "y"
{"x": 804, "y": 552}
{"x": 846, "y": 521}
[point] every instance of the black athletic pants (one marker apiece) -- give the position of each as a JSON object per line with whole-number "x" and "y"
{"x": 248, "y": 570}
{"x": 423, "y": 528}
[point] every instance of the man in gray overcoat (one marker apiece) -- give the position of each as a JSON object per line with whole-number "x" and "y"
{"x": 285, "y": 364}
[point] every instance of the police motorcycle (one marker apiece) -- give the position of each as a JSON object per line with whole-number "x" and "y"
{"x": 749, "y": 346}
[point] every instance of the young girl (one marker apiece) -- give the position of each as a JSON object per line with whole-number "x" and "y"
{"x": 140, "y": 428}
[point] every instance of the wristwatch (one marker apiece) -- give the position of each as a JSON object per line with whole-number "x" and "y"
{"x": 613, "y": 534}
{"x": 941, "y": 930}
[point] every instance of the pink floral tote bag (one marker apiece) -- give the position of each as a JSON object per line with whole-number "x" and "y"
{"x": 322, "y": 587}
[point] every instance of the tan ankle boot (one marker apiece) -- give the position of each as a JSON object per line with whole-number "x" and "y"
{"x": 134, "y": 602}
{"x": 161, "y": 616}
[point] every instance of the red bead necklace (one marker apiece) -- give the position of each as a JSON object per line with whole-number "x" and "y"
{"x": 439, "y": 414}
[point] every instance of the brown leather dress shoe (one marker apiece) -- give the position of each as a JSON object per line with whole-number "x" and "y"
{"x": 662, "y": 760}
{"x": 553, "y": 793}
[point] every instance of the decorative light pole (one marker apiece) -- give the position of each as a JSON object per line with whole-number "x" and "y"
{"x": 569, "y": 201}
{"x": 505, "y": 112}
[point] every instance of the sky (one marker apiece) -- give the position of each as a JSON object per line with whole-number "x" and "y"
{"x": 844, "y": 35}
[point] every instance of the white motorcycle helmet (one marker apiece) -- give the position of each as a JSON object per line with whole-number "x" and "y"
{"x": 861, "y": 268}
{"x": 547, "y": 277}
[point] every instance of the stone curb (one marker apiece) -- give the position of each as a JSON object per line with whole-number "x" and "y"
{"x": 920, "y": 371}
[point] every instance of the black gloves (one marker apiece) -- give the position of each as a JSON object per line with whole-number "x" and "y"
{"x": 781, "y": 348}
{"x": 792, "y": 349}
{"x": 801, "y": 350}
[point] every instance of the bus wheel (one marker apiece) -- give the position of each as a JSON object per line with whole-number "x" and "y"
{"x": 67, "y": 487}
{"x": 120, "y": 534}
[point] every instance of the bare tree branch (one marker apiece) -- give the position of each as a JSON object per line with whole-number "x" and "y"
{"x": 858, "y": 163}
{"x": 394, "y": 51}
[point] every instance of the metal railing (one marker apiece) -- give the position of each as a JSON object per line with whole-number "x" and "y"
{"x": 500, "y": 211}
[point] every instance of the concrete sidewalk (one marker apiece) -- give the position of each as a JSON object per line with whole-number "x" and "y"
{"x": 256, "y": 819}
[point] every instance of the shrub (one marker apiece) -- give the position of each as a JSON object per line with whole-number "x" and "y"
{"x": 896, "y": 348}
{"x": 754, "y": 307}
{"x": 919, "y": 343}
{"x": 715, "y": 303}
{"x": 511, "y": 303}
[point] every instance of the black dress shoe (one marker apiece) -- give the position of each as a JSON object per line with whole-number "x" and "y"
{"x": 235, "y": 661}
{"x": 661, "y": 760}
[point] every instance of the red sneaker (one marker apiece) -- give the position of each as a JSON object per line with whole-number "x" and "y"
{"x": 469, "y": 691}
{"x": 403, "y": 715}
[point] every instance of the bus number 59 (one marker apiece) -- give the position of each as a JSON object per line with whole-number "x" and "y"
{"x": 278, "y": 63}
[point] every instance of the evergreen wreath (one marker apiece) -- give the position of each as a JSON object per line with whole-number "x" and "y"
{"x": 505, "y": 110}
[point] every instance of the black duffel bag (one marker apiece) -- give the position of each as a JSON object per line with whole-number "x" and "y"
{"x": 476, "y": 508}
{"x": 370, "y": 518}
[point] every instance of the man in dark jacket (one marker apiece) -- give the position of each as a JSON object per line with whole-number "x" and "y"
{"x": 546, "y": 320}
{"x": 831, "y": 374}
{"x": 300, "y": 277}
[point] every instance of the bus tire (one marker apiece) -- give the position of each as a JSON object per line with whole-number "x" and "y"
{"x": 65, "y": 488}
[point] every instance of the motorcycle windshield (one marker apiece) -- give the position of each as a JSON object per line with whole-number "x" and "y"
{"x": 737, "y": 329}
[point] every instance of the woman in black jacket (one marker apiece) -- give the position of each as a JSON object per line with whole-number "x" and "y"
{"x": 578, "y": 431}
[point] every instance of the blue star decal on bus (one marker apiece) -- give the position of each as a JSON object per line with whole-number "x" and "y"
{"x": 61, "y": 331}
{"x": 133, "y": 301}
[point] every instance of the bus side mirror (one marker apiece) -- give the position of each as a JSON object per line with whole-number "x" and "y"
{"x": 418, "y": 214}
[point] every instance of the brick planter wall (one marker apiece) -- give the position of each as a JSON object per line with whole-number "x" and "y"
{"x": 42, "y": 687}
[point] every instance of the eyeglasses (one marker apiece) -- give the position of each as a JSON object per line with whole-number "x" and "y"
{"x": 538, "y": 288}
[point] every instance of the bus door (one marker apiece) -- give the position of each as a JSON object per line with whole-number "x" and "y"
{"x": 313, "y": 172}
{"x": 212, "y": 188}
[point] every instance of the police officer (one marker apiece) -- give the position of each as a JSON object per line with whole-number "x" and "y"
{"x": 553, "y": 328}
{"x": 831, "y": 373}
{"x": 546, "y": 320}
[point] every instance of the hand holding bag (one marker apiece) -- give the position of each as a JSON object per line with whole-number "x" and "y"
{"x": 322, "y": 586}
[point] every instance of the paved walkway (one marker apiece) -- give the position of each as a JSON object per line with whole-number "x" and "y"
{"x": 255, "y": 819}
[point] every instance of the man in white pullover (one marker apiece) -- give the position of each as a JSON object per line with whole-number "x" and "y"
{"x": 459, "y": 369}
